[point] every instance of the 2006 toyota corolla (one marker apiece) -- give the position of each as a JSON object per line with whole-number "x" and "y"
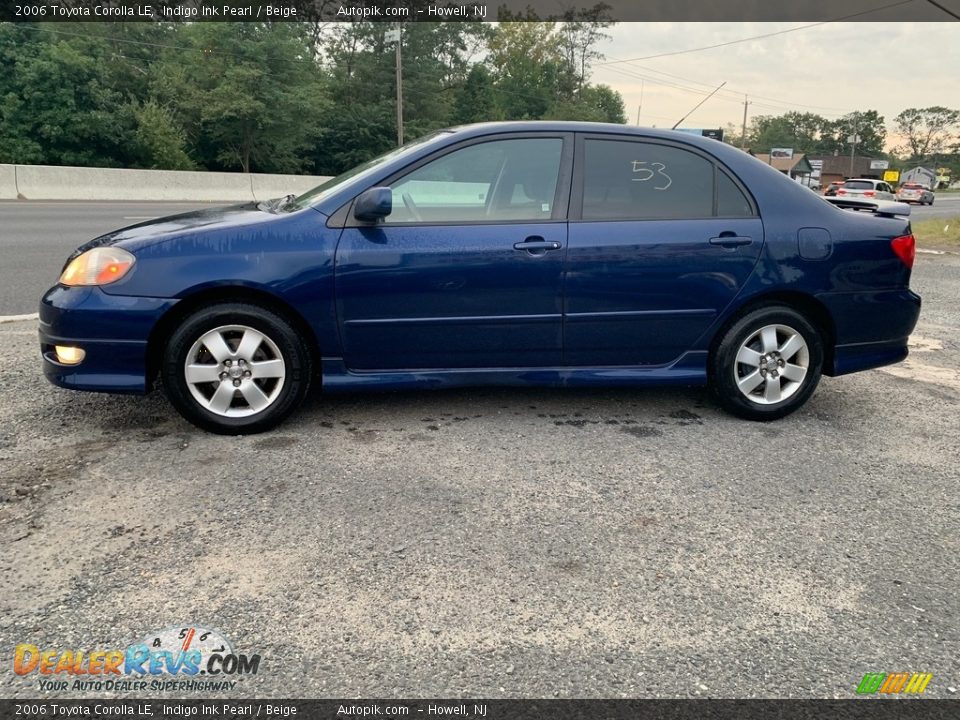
{"x": 539, "y": 253}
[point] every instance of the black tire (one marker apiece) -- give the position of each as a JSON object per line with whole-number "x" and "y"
{"x": 724, "y": 370}
{"x": 282, "y": 342}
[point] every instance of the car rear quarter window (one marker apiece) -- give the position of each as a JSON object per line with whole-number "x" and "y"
{"x": 637, "y": 180}
{"x": 731, "y": 202}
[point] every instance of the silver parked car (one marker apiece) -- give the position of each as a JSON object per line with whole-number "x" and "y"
{"x": 912, "y": 192}
{"x": 866, "y": 188}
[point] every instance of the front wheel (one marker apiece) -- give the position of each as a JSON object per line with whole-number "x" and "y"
{"x": 236, "y": 368}
{"x": 767, "y": 364}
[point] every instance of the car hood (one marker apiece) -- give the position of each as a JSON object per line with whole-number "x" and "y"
{"x": 147, "y": 233}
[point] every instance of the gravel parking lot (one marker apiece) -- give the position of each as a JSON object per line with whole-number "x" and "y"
{"x": 503, "y": 543}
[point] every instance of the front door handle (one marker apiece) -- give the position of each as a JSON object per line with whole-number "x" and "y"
{"x": 730, "y": 240}
{"x": 536, "y": 243}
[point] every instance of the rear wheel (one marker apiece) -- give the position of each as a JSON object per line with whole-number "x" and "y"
{"x": 236, "y": 368}
{"x": 767, "y": 364}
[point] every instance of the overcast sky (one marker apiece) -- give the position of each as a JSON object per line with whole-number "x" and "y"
{"x": 830, "y": 69}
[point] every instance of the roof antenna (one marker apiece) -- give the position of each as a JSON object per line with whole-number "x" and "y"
{"x": 699, "y": 104}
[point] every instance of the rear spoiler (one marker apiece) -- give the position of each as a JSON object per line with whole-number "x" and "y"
{"x": 883, "y": 208}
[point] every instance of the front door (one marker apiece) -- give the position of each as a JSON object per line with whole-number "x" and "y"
{"x": 466, "y": 271}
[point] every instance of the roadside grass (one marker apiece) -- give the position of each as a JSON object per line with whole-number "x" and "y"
{"x": 937, "y": 232}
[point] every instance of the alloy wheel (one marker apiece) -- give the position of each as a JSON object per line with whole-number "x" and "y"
{"x": 771, "y": 364}
{"x": 234, "y": 371}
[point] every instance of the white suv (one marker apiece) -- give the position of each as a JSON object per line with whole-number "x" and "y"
{"x": 866, "y": 188}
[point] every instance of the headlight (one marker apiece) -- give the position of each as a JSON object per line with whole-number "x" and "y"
{"x": 100, "y": 266}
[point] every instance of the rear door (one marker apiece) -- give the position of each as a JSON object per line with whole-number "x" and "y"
{"x": 466, "y": 271}
{"x": 661, "y": 240}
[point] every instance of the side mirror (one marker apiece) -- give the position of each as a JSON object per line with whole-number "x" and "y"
{"x": 373, "y": 204}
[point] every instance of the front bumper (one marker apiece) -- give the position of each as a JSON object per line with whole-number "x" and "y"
{"x": 113, "y": 330}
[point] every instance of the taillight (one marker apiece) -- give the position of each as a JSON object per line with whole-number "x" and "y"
{"x": 869, "y": 193}
{"x": 905, "y": 247}
{"x": 841, "y": 192}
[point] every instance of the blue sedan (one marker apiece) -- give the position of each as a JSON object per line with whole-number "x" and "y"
{"x": 524, "y": 253}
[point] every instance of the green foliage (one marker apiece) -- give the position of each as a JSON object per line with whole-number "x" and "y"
{"x": 597, "y": 103}
{"x": 160, "y": 142}
{"x": 280, "y": 97}
{"x": 928, "y": 132}
{"x": 868, "y": 125}
{"x": 249, "y": 97}
{"x": 475, "y": 100}
{"x": 60, "y": 105}
{"x": 813, "y": 134}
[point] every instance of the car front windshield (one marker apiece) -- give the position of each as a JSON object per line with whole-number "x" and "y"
{"x": 312, "y": 197}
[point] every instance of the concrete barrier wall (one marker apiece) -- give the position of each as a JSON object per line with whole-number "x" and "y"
{"x": 47, "y": 182}
{"x": 8, "y": 182}
{"x": 265, "y": 187}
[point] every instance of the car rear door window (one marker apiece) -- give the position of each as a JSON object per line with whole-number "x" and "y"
{"x": 630, "y": 180}
{"x": 501, "y": 180}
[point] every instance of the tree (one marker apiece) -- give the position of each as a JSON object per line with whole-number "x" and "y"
{"x": 526, "y": 58}
{"x": 579, "y": 36}
{"x": 869, "y": 126}
{"x": 475, "y": 100}
{"x": 598, "y": 103}
{"x": 732, "y": 134}
{"x": 282, "y": 97}
{"x": 607, "y": 102}
{"x": 801, "y": 131}
{"x": 928, "y": 131}
{"x": 57, "y": 101}
{"x": 160, "y": 142}
{"x": 248, "y": 95}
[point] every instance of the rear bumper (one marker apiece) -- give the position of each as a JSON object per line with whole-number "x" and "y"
{"x": 113, "y": 331}
{"x": 872, "y": 329}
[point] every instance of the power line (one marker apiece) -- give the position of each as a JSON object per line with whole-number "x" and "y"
{"x": 732, "y": 92}
{"x": 760, "y": 37}
{"x": 723, "y": 95}
{"x": 949, "y": 12}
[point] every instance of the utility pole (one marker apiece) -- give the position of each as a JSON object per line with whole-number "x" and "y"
{"x": 743, "y": 129}
{"x": 854, "y": 139}
{"x": 393, "y": 35}
{"x": 641, "y": 102}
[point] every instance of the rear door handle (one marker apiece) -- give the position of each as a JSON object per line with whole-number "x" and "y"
{"x": 730, "y": 241}
{"x": 533, "y": 244}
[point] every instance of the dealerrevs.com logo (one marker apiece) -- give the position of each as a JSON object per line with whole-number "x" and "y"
{"x": 174, "y": 659}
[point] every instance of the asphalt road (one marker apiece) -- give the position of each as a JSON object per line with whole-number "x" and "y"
{"x": 36, "y": 237}
{"x": 944, "y": 206}
{"x": 502, "y": 543}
